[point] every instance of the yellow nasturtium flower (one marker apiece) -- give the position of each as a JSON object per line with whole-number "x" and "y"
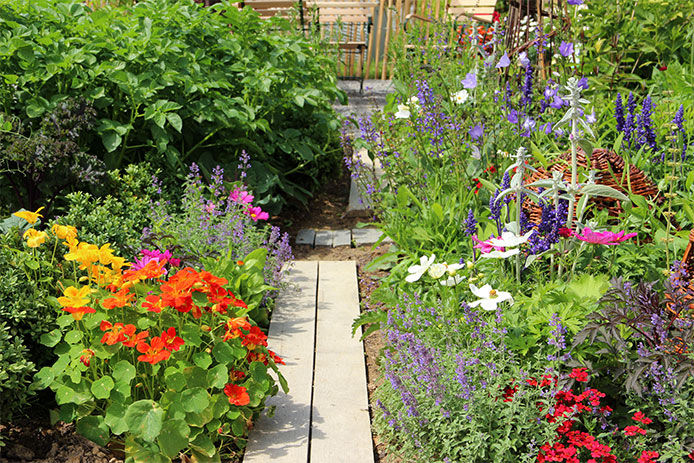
{"x": 30, "y": 217}
{"x": 64, "y": 232}
{"x": 84, "y": 253}
{"x": 34, "y": 237}
{"x": 74, "y": 297}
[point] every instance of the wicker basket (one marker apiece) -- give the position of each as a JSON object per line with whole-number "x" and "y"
{"x": 610, "y": 167}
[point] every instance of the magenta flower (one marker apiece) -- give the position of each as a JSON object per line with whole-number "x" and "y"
{"x": 485, "y": 246}
{"x": 241, "y": 196}
{"x": 607, "y": 238}
{"x": 256, "y": 214}
{"x": 161, "y": 257}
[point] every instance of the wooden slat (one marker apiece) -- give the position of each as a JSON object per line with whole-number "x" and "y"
{"x": 341, "y": 431}
{"x": 284, "y": 438}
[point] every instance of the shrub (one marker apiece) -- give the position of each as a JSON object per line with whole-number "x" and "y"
{"x": 173, "y": 82}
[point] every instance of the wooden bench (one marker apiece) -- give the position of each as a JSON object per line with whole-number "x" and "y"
{"x": 324, "y": 417}
{"x": 346, "y": 25}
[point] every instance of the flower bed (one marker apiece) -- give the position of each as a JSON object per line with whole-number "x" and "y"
{"x": 535, "y": 310}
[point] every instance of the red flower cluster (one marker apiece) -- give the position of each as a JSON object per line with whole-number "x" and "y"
{"x": 158, "y": 349}
{"x": 648, "y": 456}
{"x": 579, "y": 374}
{"x": 238, "y": 395}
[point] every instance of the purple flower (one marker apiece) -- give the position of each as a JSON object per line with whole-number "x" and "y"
{"x": 512, "y": 116}
{"x": 470, "y": 224}
{"x": 590, "y": 118}
{"x": 476, "y": 132}
{"x": 523, "y": 59}
{"x": 566, "y": 48}
{"x": 557, "y": 102}
{"x": 527, "y": 96}
{"x": 583, "y": 83}
{"x": 546, "y": 128}
{"x": 470, "y": 80}
{"x": 619, "y": 113}
{"x": 575, "y": 2}
{"x": 504, "y": 62}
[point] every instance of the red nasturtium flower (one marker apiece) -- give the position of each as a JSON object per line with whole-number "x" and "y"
{"x": 78, "y": 312}
{"x": 177, "y": 292}
{"x": 115, "y": 333}
{"x": 256, "y": 357}
{"x": 254, "y": 338}
{"x": 235, "y": 375}
{"x": 237, "y": 394}
{"x": 86, "y": 356}
{"x": 154, "y": 352}
{"x": 171, "y": 341}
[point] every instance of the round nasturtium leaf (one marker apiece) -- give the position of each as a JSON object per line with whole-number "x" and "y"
{"x": 175, "y": 381}
{"x": 173, "y": 437}
{"x": 101, "y": 388}
{"x": 202, "y": 359}
{"x": 123, "y": 371}
{"x": 73, "y": 337}
{"x": 145, "y": 419}
{"x": 94, "y": 429}
{"x": 114, "y": 419}
{"x": 218, "y": 376}
{"x": 195, "y": 400}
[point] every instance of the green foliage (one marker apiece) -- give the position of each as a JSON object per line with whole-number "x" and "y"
{"x": 118, "y": 219}
{"x": 173, "y": 82}
{"x": 29, "y": 277}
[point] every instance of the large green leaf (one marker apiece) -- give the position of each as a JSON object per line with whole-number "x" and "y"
{"x": 101, "y": 388}
{"x": 173, "y": 437}
{"x": 195, "y": 400}
{"x": 145, "y": 419}
{"x": 94, "y": 429}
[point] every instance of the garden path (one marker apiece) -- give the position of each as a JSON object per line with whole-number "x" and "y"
{"x": 325, "y": 415}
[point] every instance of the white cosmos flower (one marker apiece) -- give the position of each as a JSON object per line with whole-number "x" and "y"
{"x": 452, "y": 280}
{"x": 489, "y": 298}
{"x": 414, "y": 102}
{"x": 416, "y": 271}
{"x": 436, "y": 271}
{"x": 510, "y": 240}
{"x": 501, "y": 254}
{"x": 403, "y": 112}
{"x": 460, "y": 97}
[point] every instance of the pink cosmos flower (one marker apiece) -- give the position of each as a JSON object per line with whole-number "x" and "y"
{"x": 607, "y": 238}
{"x": 241, "y": 196}
{"x": 256, "y": 214}
{"x": 485, "y": 246}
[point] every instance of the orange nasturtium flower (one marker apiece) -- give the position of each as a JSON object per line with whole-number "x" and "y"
{"x": 34, "y": 238}
{"x": 135, "y": 339}
{"x": 237, "y": 394}
{"x": 154, "y": 352}
{"x": 74, "y": 297}
{"x": 115, "y": 333}
{"x": 153, "y": 269}
{"x": 30, "y": 217}
{"x": 254, "y": 338}
{"x": 176, "y": 292}
{"x": 119, "y": 299}
{"x": 233, "y": 327}
{"x": 78, "y": 312}
{"x": 152, "y": 303}
{"x": 64, "y": 232}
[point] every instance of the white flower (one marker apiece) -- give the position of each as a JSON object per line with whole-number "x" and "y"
{"x": 436, "y": 271}
{"x": 452, "y": 268}
{"x": 489, "y": 298}
{"x": 460, "y": 97}
{"x": 501, "y": 254}
{"x": 416, "y": 271}
{"x": 510, "y": 240}
{"x": 452, "y": 280}
{"x": 414, "y": 102}
{"x": 403, "y": 112}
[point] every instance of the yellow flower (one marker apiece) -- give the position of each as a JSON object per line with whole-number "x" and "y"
{"x": 117, "y": 263}
{"x": 84, "y": 253}
{"x": 64, "y": 232}
{"x": 105, "y": 254}
{"x": 34, "y": 238}
{"x": 30, "y": 217}
{"x": 74, "y": 297}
